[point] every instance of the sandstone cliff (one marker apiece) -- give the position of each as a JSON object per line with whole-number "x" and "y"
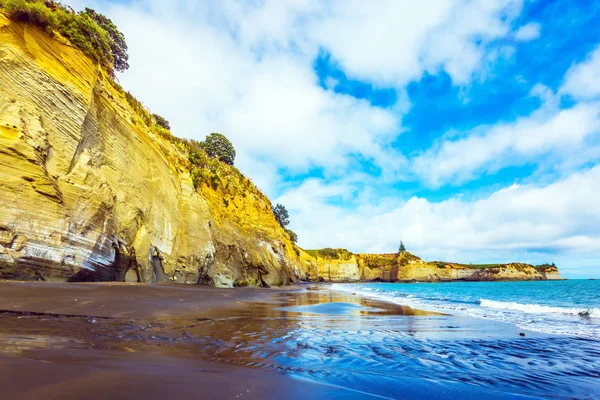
{"x": 339, "y": 265}
{"x": 89, "y": 192}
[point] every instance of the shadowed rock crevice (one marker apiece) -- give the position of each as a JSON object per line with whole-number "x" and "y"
{"x": 158, "y": 272}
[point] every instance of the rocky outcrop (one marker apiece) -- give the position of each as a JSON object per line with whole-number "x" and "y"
{"x": 89, "y": 192}
{"x": 342, "y": 266}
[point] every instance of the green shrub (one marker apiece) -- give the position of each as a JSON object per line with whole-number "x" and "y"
{"x": 281, "y": 215}
{"x": 140, "y": 109}
{"x": 162, "y": 122}
{"x": 292, "y": 235}
{"x": 196, "y": 178}
{"x": 162, "y": 132}
{"x": 86, "y": 34}
{"x": 29, "y": 12}
{"x": 214, "y": 181}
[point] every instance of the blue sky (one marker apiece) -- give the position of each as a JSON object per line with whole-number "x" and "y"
{"x": 470, "y": 130}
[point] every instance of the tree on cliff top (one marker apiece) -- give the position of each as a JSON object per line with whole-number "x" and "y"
{"x": 401, "y": 249}
{"x": 218, "y": 146}
{"x": 117, "y": 43}
{"x": 281, "y": 215}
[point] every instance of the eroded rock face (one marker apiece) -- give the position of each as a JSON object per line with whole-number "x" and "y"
{"x": 88, "y": 192}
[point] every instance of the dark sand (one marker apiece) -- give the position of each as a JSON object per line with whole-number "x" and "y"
{"x": 130, "y": 341}
{"x": 50, "y": 347}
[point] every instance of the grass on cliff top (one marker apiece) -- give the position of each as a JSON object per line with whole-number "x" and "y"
{"x": 331, "y": 254}
{"x": 50, "y": 16}
{"x": 444, "y": 263}
{"x": 545, "y": 266}
{"x": 378, "y": 260}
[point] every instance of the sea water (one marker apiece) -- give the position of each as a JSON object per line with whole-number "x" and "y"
{"x": 568, "y": 307}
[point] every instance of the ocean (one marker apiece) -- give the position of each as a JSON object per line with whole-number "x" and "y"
{"x": 569, "y": 307}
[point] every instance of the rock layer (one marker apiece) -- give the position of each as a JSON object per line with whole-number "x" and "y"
{"x": 88, "y": 192}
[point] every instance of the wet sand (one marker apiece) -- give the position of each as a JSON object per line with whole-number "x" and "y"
{"x": 98, "y": 374}
{"x": 116, "y": 340}
{"x": 70, "y": 340}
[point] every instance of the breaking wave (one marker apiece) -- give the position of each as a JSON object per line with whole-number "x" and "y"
{"x": 539, "y": 309}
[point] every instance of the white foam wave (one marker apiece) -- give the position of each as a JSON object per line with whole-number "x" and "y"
{"x": 539, "y": 309}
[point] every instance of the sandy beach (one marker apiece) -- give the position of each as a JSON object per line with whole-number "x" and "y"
{"x": 116, "y": 340}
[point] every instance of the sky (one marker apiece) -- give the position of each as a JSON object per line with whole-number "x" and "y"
{"x": 470, "y": 130}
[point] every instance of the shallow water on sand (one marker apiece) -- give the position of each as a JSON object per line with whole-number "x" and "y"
{"x": 344, "y": 340}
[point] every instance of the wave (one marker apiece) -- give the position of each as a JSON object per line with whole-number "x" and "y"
{"x": 539, "y": 309}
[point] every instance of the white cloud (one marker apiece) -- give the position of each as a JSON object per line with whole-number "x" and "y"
{"x": 520, "y": 222}
{"x": 583, "y": 79}
{"x": 486, "y": 149}
{"x": 397, "y": 41}
{"x": 528, "y": 32}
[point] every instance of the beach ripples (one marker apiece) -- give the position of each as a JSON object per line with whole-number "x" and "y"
{"x": 348, "y": 350}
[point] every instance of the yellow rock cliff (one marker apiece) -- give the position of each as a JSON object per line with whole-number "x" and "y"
{"x": 88, "y": 192}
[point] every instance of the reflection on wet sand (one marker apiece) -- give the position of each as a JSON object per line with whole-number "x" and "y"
{"x": 250, "y": 334}
{"x": 313, "y": 302}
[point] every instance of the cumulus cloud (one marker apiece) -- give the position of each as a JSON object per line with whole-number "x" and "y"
{"x": 549, "y": 131}
{"x": 397, "y": 41}
{"x": 528, "y": 32}
{"x": 487, "y": 149}
{"x": 583, "y": 80}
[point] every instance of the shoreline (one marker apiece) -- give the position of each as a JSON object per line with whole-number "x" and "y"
{"x": 508, "y": 311}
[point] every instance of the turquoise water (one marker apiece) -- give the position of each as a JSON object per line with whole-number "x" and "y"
{"x": 559, "y": 307}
